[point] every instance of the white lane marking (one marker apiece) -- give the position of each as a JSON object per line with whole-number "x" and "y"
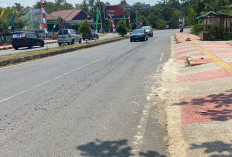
{"x": 161, "y": 57}
{"x": 138, "y": 138}
{"x": 48, "y": 81}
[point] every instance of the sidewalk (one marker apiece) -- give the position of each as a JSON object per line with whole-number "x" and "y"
{"x": 203, "y": 108}
{"x": 6, "y": 47}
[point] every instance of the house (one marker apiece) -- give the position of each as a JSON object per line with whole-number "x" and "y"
{"x": 217, "y": 19}
{"x": 72, "y": 16}
{"x": 216, "y": 23}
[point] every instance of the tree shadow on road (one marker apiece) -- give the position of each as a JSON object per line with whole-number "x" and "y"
{"x": 118, "y": 148}
{"x": 219, "y": 148}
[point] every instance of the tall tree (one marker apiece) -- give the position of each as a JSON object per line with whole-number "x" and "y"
{"x": 58, "y": 5}
{"x": 123, "y": 2}
{"x": 84, "y": 6}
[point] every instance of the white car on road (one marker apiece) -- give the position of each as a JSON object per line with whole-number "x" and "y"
{"x": 68, "y": 36}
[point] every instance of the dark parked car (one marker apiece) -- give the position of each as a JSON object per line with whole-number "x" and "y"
{"x": 26, "y": 39}
{"x": 90, "y": 36}
{"x": 138, "y": 34}
{"x": 148, "y": 30}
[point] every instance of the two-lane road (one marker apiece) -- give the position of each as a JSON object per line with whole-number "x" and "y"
{"x": 94, "y": 102}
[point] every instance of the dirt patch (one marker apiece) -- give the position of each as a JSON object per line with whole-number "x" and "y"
{"x": 182, "y": 63}
{"x": 229, "y": 43}
{"x": 168, "y": 95}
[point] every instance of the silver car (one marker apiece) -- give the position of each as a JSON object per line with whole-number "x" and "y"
{"x": 148, "y": 30}
{"x": 68, "y": 36}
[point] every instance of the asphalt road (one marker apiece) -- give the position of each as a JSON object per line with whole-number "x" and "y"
{"x": 95, "y": 102}
{"x": 24, "y": 49}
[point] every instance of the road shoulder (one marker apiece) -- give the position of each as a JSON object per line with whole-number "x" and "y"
{"x": 175, "y": 140}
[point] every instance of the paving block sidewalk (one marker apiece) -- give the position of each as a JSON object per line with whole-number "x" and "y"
{"x": 205, "y": 100}
{"x": 6, "y": 47}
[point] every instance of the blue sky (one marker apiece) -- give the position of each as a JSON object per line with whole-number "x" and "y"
{"x": 4, "y": 3}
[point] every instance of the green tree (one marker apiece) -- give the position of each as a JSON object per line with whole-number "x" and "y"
{"x": 58, "y": 5}
{"x": 144, "y": 20}
{"x": 7, "y": 17}
{"x": 77, "y": 6}
{"x": 121, "y": 28}
{"x": 84, "y": 6}
{"x": 85, "y": 29}
{"x": 107, "y": 25}
{"x": 161, "y": 24}
{"x": 123, "y": 2}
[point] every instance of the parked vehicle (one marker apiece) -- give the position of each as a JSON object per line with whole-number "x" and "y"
{"x": 26, "y": 39}
{"x": 139, "y": 34}
{"x": 148, "y": 30}
{"x": 91, "y": 36}
{"x": 68, "y": 36}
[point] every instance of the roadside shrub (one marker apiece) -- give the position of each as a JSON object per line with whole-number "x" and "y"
{"x": 196, "y": 29}
{"x": 85, "y": 29}
{"x": 161, "y": 24}
{"x": 214, "y": 29}
{"x": 227, "y": 36}
{"x": 121, "y": 28}
{"x": 54, "y": 37}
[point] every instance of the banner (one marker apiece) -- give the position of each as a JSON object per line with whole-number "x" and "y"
{"x": 40, "y": 26}
{"x": 113, "y": 25}
{"x": 44, "y": 16}
{"x": 29, "y": 19}
{"x": 3, "y": 10}
{"x": 56, "y": 22}
{"x": 124, "y": 18}
{"x": 97, "y": 20}
{"x": 12, "y": 21}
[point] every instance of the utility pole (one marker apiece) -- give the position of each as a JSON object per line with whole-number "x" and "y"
{"x": 136, "y": 11}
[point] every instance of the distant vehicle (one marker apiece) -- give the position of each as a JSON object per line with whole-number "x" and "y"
{"x": 139, "y": 34}
{"x": 91, "y": 36}
{"x": 181, "y": 29}
{"x": 26, "y": 39}
{"x": 148, "y": 30}
{"x": 68, "y": 36}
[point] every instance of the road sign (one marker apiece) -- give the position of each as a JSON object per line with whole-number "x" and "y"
{"x": 181, "y": 22}
{"x": 146, "y": 7}
{"x": 116, "y": 11}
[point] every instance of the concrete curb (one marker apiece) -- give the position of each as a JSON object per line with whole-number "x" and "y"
{"x": 56, "y": 52}
{"x": 10, "y": 47}
{"x": 190, "y": 61}
{"x": 6, "y": 48}
{"x": 50, "y": 42}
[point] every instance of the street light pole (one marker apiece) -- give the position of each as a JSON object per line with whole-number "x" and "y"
{"x": 143, "y": 7}
{"x": 136, "y": 18}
